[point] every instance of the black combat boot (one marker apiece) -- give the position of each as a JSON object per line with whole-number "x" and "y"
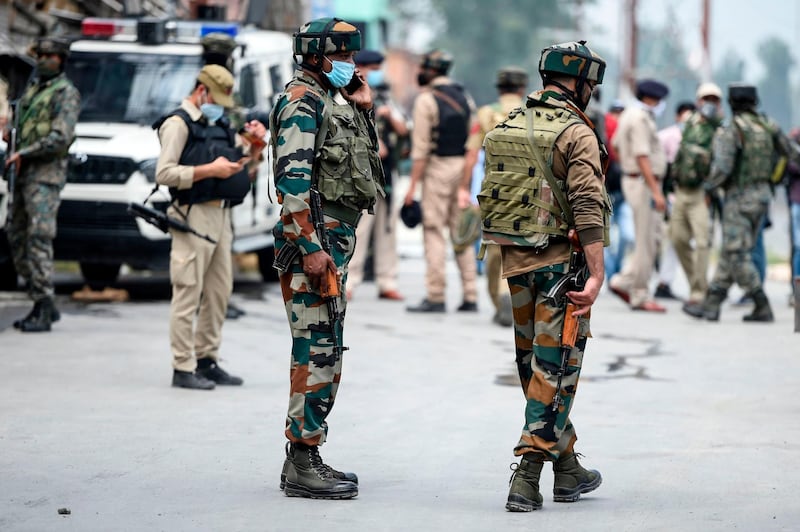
{"x": 713, "y": 301}
{"x": 524, "y": 496}
{"x": 55, "y": 315}
{"x": 208, "y": 369}
{"x": 350, "y": 477}
{"x": 41, "y": 317}
{"x": 307, "y": 476}
{"x": 762, "y": 310}
{"x": 572, "y": 479}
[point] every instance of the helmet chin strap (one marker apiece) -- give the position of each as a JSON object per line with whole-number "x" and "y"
{"x": 571, "y": 94}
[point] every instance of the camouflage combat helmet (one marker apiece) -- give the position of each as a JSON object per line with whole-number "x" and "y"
{"x": 218, "y": 48}
{"x": 573, "y": 59}
{"x": 742, "y": 94}
{"x": 51, "y": 45}
{"x": 438, "y": 60}
{"x": 512, "y": 76}
{"x": 326, "y": 36}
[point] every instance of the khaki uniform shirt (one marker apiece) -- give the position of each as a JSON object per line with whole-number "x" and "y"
{"x": 637, "y": 135}
{"x": 4, "y": 107}
{"x": 576, "y": 155}
{"x": 489, "y": 116}
{"x": 426, "y": 118}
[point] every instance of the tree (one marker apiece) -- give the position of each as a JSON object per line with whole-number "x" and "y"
{"x": 774, "y": 88}
{"x": 731, "y": 70}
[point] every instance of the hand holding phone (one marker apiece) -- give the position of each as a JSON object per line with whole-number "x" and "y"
{"x": 355, "y": 84}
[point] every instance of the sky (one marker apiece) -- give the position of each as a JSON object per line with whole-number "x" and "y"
{"x": 735, "y": 25}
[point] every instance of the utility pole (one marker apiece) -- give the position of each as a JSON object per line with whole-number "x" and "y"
{"x": 705, "y": 25}
{"x": 632, "y": 34}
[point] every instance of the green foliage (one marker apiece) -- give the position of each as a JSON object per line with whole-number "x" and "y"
{"x": 731, "y": 70}
{"x": 774, "y": 88}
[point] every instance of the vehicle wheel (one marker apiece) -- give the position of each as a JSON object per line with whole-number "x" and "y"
{"x": 8, "y": 276}
{"x": 265, "y": 258}
{"x": 99, "y": 275}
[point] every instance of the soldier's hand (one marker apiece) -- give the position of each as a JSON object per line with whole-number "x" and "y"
{"x": 409, "y": 199}
{"x": 586, "y": 297}
{"x": 362, "y": 96}
{"x": 14, "y": 159}
{"x": 315, "y": 266}
{"x": 256, "y": 128}
{"x": 225, "y": 168}
{"x": 464, "y": 199}
{"x": 659, "y": 203}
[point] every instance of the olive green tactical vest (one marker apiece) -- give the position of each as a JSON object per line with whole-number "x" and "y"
{"x": 36, "y": 110}
{"x": 692, "y": 163}
{"x": 518, "y": 206}
{"x": 755, "y": 159}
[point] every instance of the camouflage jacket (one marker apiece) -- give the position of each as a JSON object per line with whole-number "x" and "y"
{"x": 295, "y": 122}
{"x": 692, "y": 163}
{"x": 44, "y": 156}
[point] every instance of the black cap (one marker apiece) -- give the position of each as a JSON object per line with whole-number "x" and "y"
{"x": 742, "y": 93}
{"x": 651, "y": 88}
{"x": 411, "y": 214}
{"x": 368, "y": 57}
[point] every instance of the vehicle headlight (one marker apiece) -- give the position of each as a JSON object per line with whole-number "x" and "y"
{"x": 148, "y": 168}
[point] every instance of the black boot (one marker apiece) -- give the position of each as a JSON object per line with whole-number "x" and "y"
{"x": 762, "y": 310}
{"x": 187, "y": 379}
{"x": 713, "y": 301}
{"x": 55, "y": 315}
{"x": 339, "y": 475}
{"x": 308, "y": 476}
{"x": 40, "y": 318}
{"x": 208, "y": 369}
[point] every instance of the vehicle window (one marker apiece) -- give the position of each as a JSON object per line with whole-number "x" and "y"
{"x": 247, "y": 86}
{"x": 276, "y": 79}
{"x": 133, "y": 88}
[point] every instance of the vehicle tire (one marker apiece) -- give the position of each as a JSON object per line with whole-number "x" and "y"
{"x": 265, "y": 258}
{"x": 99, "y": 275}
{"x": 8, "y": 276}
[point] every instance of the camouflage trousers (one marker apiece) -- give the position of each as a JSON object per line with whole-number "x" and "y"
{"x": 31, "y": 230}
{"x": 537, "y": 329}
{"x": 315, "y": 370}
{"x": 742, "y": 216}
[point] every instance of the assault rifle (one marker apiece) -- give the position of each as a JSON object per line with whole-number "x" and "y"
{"x": 574, "y": 280}
{"x": 10, "y": 172}
{"x": 331, "y": 295}
{"x": 162, "y": 221}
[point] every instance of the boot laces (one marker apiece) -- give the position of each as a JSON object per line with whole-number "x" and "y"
{"x": 320, "y": 468}
{"x": 514, "y": 467}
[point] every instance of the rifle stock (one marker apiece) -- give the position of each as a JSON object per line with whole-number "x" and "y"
{"x": 163, "y": 222}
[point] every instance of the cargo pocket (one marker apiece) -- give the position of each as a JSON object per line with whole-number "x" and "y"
{"x": 306, "y": 305}
{"x": 183, "y": 268}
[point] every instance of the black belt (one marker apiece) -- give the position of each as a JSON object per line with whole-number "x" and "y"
{"x": 342, "y": 213}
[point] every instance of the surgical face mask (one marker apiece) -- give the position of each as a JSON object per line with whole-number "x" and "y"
{"x": 212, "y": 112}
{"x": 658, "y": 109}
{"x": 341, "y": 73}
{"x": 47, "y": 67}
{"x": 708, "y": 110}
{"x": 375, "y": 78}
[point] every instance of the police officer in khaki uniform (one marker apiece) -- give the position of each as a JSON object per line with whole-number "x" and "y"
{"x": 203, "y": 164}
{"x": 442, "y": 119}
{"x": 644, "y": 165}
{"x": 512, "y": 83}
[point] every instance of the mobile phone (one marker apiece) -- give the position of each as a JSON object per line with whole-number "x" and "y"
{"x": 353, "y": 86}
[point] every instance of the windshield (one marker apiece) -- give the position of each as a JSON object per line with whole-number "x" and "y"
{"x": 131, "y": 87}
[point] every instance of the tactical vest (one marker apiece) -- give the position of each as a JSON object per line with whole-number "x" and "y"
{"x": 518, "y": 204}
{"x": 450, "y": 135}
{"x": 755, "y": 157}
{"x": 692, "y": 163}
{"x": 204, "y": 144}
{"x": 36, "y": 108}
{"x": 347, "y": 167}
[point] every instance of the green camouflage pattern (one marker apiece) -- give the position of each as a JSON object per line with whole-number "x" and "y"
{"x": 315, "y": 370}
{"x": 744, "y": 151}
{"x": 438, "y": 60}
{"x": 571, "y": 59}
{"x": 512, "y": 76}
{"x": 218, "y": 43}
{"x": 692, "y": 164}
{"x": 537, "y": 329}
{"x": 31, "y": 229}
{"x": 51, "y": 45}
{"x": 342, "y": 37}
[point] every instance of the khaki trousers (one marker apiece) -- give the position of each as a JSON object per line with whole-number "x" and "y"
{"x": 202, "y": 281}
{"x": 647, "y": 226}
{"x": 495, "y": 283}
{"x": 690, "y": 221}
{"x": 381, "y": 227}
{"x": 439, "y": 211}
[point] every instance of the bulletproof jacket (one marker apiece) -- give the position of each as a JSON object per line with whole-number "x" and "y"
{"x": 518, "y": 204}
{"x": 450, "y": 135}
{"x": 347, "y": 168}
{"x": 36, "y": 109}
{"x": 756, "y": 150}
{"x": 692, "y": 163}
{"x": 204, "y": 144}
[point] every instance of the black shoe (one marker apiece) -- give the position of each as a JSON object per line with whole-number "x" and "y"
{"x": 208, "y": 369}
{"x": 468, "y": 306}
{"x": 187, "y": 379}
{"x": 233, "y": 312}
{"x": 427, "y": 306}
{"x": 41, "y": 317}
{"x": 55, "y": 316}
{"x": 663, "y": 291}
{"x": 694, "y": 310}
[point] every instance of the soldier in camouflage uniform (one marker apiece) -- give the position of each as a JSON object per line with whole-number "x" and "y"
{"x": 512, "y": 83}
{"x": 690, "y": 218}
{"x": 323, "y": 139}
{"x": 742, "y": 165}
{"x": 48, "y": 112}
{"x": 534, "y": 263}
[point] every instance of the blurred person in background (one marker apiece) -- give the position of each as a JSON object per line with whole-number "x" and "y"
{"x": 621, "y": 215}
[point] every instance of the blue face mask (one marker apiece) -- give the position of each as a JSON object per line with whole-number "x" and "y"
{"x": 375, "y": 78}
{"x": 212, "y": 112}
{"x": 341, "y": 73}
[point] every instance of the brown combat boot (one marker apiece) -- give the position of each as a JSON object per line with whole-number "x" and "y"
{"x": 524, "y": 496}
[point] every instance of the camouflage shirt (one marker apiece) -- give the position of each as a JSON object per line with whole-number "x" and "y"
{"x": 43, "y": 157}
